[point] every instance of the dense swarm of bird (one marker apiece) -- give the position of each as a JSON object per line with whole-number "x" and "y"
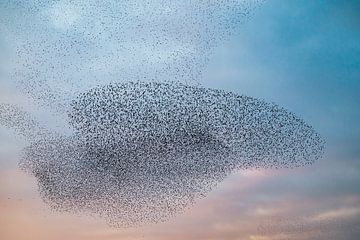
{"x": 142, "y": 152}
{"x": 145, "y": 141}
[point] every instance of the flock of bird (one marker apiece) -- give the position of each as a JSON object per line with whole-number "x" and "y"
{"x": 145, "y": 141}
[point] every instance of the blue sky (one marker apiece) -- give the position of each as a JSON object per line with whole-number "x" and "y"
{"x": 303, "y": 55}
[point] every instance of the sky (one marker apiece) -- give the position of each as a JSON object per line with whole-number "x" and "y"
{"x": 302, "y": 55}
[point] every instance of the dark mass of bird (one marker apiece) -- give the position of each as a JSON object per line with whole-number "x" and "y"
{"x": 142, "y": 152}
{"x": 146, "y": 139}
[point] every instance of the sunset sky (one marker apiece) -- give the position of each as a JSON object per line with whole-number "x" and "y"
{"x": 301, "y": 55}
